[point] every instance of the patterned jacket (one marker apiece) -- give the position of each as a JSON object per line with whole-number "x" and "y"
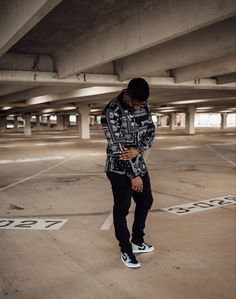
{"x": 125, "y": 128}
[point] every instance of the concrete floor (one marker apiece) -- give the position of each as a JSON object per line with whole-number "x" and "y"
{"x": 195, "y": 256}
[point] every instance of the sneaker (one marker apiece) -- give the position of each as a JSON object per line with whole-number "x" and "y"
{"x": 129, "y": 260}
{"x": 142, "y": 248}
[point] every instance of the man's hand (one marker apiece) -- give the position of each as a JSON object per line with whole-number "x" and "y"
{"x": 129, "y": 153}
{"x": 137, "y": 184}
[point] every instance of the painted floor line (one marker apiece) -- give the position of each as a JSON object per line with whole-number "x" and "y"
{"x": 31, "y": 159}
{"x": 108, "y": 223}
{"x": 173, "y": 148}
{"x": 220, "y": 155}
{"x": 73, "y": 174}
{"x": 36, "y": 174}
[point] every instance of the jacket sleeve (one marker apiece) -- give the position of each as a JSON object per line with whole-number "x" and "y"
{"x": 111, "y": 123}
{"x": 147, "y": 139}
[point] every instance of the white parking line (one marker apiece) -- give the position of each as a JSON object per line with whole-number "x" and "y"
{"x": 173, "y": 148}
{"x": 53, "y": 143}
{"x": 220, "y": 155}
{"x": 40, "y": 172}
{"x": 32, "y": 159}
{"x": 108, "y": 223}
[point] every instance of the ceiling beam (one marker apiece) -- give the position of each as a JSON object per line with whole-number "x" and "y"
{"x": 26, "y": 62}
{"x": 6, "y": 89}
{"x": 207, "y": 43}
{"x": 87, "y": 92}
{"x": 224, "y": 79}
{"x": 163, "y": 21}
{"x": 18, "y": 17}
{"x": 218, "y": 66}
{"x": 33, "y": 92}
{"x": 51, "y": 79}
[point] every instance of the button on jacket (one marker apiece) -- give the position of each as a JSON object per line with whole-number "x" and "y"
{"x": 125, "y": 128}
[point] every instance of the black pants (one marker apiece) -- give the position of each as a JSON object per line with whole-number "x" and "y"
{"x": 122, "y": 193}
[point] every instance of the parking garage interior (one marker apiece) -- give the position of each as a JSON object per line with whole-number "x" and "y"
{"x": 61, "y": 62}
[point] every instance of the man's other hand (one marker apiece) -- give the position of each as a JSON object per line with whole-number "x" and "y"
{"x": 129, "y": 153}
{"x": 137, "y": 184}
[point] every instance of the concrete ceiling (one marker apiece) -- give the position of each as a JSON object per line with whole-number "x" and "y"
{"x": 58, "y": 53}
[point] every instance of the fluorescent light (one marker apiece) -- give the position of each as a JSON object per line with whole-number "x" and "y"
{"x": 170, "y": 110}
{"x": 6, "y": 108}
{"x": 48, "y": 110}
{"x": 204, "y": 108}
{"x": 164, "y": 108}
{"x": 95, "y": 110}
{"x": 189, "y": 102}
{"x": 68, "y": 108}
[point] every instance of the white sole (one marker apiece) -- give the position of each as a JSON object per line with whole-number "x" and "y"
{"x": 135, "y": 266}
{"x": 134, "y": 251}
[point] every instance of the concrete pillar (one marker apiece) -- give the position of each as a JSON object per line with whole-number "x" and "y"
{"x": 92, "y": 121}
{"x": 77, "y": 119}
{"x": 182, "y": 120}
{"x": 172, "y": 121}
{"x": 15, "y": 122}
{"x": 37, "y": 121}
{"x": 48, "y": 122}
{"x": 190, "y": 117}
{"x": 84, "y": 130}
{"x": 66, "y": 121}
{"x": 60, "y": 122}
{"x": 163, "y": 121}
{"x": 3, "y": 123}
{"x": 27, "y": 127}
{"x": 223, "y": 124}
{"x": 158, "y": 121}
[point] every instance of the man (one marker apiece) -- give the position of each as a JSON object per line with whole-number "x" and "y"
{"x": 129, "y": 130}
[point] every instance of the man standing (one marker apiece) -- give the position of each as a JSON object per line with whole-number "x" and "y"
{"x": 129, "y": 130}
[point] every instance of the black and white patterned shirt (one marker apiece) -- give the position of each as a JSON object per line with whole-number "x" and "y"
{"x": 125, "y": 128}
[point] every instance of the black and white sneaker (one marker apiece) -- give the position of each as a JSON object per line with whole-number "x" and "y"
{"x": 142, "y": 248}
{"x": 129, "y": 260}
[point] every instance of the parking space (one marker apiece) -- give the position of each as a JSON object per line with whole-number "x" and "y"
{"x": 63, "y": 178}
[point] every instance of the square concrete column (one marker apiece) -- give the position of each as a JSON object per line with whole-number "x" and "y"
{"x": 84, "y": 122}
{"x": 190, "y": 117}
{"x": 15, "y": 122}
{"x": 172, "y": 121}
{"x": 66, "y": 121}
{"x": 60, "y": 122}
{"x": 27, "y": 127}
{"x": 182, "y": 119}
{"x": 48, "y": 122}
{"x": 3, "y": 123}
{"x": 92, "y": 121}
{"x": 164, "y": 119}
{"x": 223, "y": 124}
{"x": 37, "y": 121}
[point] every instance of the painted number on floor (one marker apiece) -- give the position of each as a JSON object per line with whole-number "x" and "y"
{"x": 202, "y": 205}
{"x": 31, "y": 223}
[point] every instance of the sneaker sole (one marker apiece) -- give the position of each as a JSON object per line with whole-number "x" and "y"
{"x": 135, "y": 266}
{"x": 143, "y": 251}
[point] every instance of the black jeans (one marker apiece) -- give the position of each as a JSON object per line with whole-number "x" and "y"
{"x": 122, "y": 193}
